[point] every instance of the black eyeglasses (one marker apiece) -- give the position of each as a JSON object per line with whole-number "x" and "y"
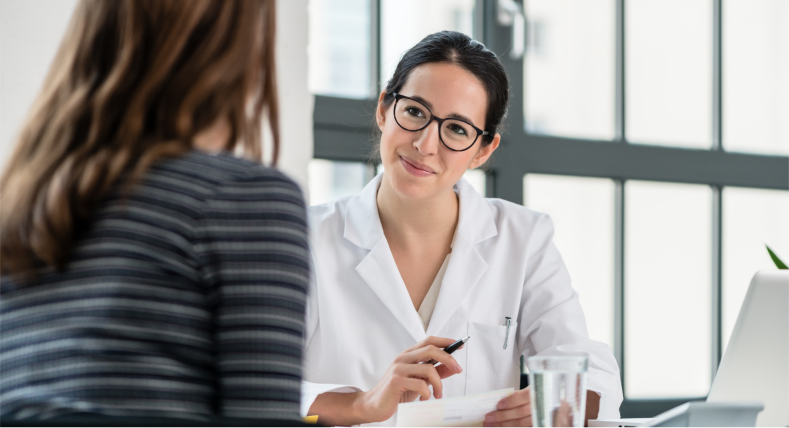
{"x": 455, "y": 134}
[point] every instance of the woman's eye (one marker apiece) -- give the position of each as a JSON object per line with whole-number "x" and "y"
{"x": 457, "y": 129}
{"x": 413, "y": 111}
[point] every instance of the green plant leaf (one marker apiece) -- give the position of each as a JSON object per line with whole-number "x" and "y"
{"x": 776, "y": 260}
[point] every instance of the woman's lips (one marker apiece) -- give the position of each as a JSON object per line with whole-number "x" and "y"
{"x": 415, "y": 170}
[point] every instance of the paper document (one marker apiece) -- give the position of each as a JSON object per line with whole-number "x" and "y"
{"x": 466, "y": 411}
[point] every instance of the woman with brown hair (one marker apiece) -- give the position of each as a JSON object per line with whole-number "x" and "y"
{"x": 146, "y": 271}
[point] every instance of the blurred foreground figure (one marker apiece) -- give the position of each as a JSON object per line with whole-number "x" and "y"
{"x": 146, "y": 271}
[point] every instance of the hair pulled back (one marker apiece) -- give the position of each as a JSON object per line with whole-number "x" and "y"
{"x": 457, "y": 48}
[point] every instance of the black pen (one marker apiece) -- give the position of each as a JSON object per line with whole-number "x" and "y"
{"x": 451, "y": 348}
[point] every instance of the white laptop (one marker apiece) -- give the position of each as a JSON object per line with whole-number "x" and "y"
{"x": 624, "y": 422}
{"x": 755, "y": 366}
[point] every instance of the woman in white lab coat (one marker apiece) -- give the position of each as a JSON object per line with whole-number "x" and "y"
{"x": 418, "y": 259}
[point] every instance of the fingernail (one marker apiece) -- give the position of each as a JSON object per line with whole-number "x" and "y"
{"x": 500, "y": 405}
{"x": 489, "y": 418}
{"x": 458, "y": 368}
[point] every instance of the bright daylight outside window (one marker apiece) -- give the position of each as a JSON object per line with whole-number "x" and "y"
{"x": 569, "y": 68}
{"x": 582, "y": 210}
{"x": 668, "y": 60}
{"x": 339, "y": 48}
{"x": 755, "y": 70}
{"x": 668, "y": 231}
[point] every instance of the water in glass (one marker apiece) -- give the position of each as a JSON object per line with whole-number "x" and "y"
{"x": 558, "y": 390}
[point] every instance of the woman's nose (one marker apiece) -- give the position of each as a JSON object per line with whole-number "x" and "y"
{"x": 428, "y": 141}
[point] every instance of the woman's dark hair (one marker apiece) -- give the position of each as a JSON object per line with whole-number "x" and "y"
{"x": 457, "y": 48}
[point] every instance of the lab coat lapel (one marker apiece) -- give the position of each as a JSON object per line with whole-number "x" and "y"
{"x": 378, "y": 268}
{"x": 466, "y": 264}
{"x": 380, "y": 272}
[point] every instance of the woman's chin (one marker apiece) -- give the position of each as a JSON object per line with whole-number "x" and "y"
{"x": 409, "y": 187}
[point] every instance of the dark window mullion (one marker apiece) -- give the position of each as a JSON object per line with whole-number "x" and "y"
{"x": 717, "y": 191}
{"x": 619, "y": 279}
{"x": 717, "y": 294}
{"x": 619, "y": 50}
{"x": 507, "y": 166}
{"x": 717, "y": 74}
{"x": 619, "y": 213}
{"x": 375, "y": 48}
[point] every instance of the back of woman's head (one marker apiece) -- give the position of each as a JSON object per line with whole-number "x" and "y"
{"x": 133, "y": 82}
{"x": 457, "y": 48}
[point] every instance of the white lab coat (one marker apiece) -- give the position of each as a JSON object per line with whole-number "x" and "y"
{"x": 503, "y": 264}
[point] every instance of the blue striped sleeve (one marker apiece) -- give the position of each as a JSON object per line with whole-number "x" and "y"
{"x": 252, "y": 243}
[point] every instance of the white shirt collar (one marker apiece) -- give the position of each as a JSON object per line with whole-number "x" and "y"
{"x": 363, "y": 224}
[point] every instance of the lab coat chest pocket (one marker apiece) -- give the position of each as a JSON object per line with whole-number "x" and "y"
{"x": 490, "y": 366}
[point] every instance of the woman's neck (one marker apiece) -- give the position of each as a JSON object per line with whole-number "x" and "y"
{"x": 412, "y": 223}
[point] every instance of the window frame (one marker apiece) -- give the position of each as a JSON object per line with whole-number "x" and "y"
{"x": 344, "y": 130}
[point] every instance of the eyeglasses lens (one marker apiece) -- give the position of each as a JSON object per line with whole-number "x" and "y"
{"x": 413, "y": 116}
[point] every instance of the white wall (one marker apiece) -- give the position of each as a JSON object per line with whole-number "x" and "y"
{"x": 30, "y": 33}
{"x": 295, "y": 100}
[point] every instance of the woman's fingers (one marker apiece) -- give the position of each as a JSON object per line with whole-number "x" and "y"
{"x": 512, "y": 409}
{"x": 431, "y": 352}
{"x": 427, "y": 373}
{"x": 417, "y": 385}
{"x": 502, "y": 416}
{"x": 444, "y": 371}
{"x": 441, "y": 342}
{"x": 516, "y": 399}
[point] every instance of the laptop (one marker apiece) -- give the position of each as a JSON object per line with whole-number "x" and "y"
{"x": 618, "y": 423}
{"x": 755, "y": 366}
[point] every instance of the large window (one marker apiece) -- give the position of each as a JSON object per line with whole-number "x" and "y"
{"x": 654, "y": 134}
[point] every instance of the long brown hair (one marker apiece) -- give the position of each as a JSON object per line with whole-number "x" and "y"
{"x": 132, "y": 82}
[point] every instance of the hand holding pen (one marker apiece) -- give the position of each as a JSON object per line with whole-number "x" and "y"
{"x": 409, "y": 377}
{"x": 451, "y": 348}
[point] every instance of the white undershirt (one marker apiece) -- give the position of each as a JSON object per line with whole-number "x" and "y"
{"x": 429, "y": 302}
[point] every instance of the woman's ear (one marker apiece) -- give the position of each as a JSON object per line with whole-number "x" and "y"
{"x": 380, "y": 111}
{"x": 484, "y": 153}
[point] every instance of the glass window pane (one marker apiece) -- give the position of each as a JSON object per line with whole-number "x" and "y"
{"x": 569, "y": 68}
{"x": 756, "y": 76}
{"x": 405, "y": 22}
{"x": 339, "y": 48}
{"x": 668, "y": 285}
{"x": 330, "y": 180}
{"x": 583, "y": 217}
{"x": 668, "y": 75}
{"x": 751, "y": 219}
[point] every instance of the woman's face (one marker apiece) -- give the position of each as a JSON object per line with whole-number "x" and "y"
{"x": 417, "y": 164}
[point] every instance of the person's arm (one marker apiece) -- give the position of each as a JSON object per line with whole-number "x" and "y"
{"x": 404, "y": 381}
{"x": 551, "y": 322}
{"x": 252, "y": 243}
{"x": 592, "y": 406}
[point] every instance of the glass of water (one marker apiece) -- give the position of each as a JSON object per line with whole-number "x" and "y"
{"x": 558, "y": 390}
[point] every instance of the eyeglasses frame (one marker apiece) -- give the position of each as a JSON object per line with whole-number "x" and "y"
{"x": 439, "y": 120}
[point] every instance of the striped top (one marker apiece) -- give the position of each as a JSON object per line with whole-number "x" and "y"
{"x": 185, "y": 299}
